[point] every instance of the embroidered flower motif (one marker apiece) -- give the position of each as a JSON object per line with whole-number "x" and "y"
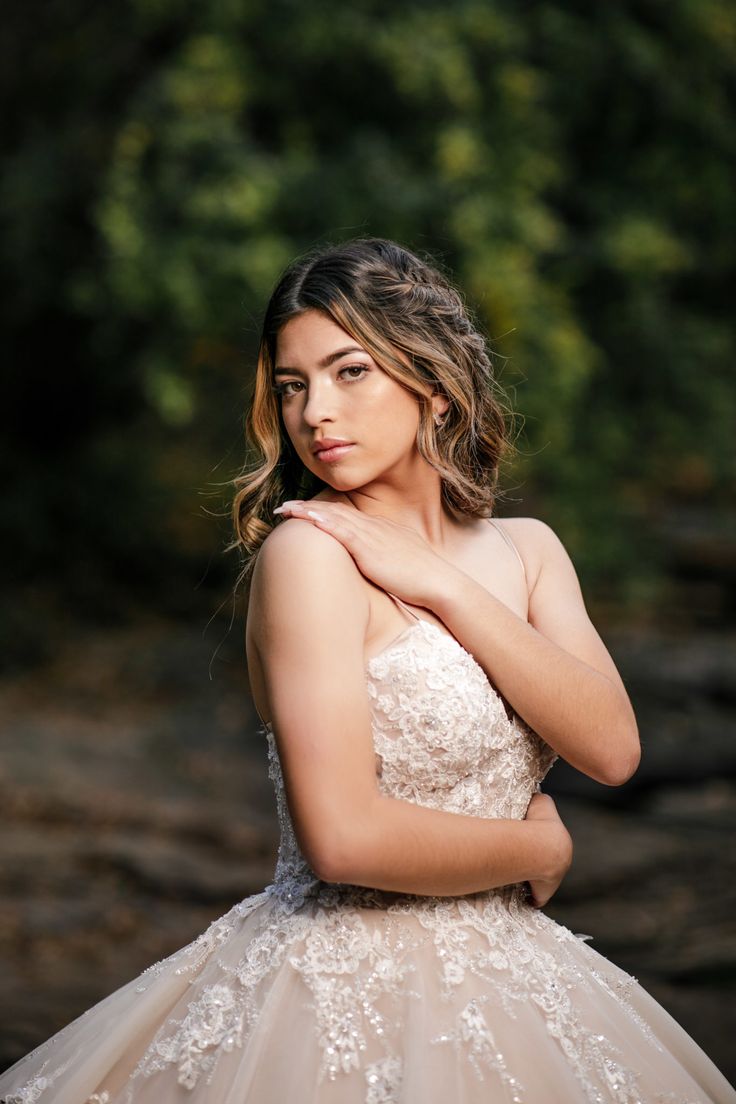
{"x": 383, "y": 1079}
{"x": 336, "y": 944}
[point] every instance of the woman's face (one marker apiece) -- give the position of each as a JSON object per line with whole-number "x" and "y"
{"x": 329, "y": 387}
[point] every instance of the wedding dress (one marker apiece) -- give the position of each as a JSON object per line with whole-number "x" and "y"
{"x": 316, "y": 993}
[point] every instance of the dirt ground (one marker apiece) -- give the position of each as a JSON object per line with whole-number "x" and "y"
{"x": 137, "y": 808}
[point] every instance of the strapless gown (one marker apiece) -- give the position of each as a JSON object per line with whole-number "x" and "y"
{"x": 316, "y": 993}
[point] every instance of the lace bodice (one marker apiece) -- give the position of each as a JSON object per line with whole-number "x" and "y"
{"x": 443, "y": 738}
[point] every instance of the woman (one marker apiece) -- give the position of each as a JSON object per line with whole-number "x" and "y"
{"x": 400, "y": 954}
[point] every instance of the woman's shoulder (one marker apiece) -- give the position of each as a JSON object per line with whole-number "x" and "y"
{"x": 536, "y": 541}
{"x": 533, "y": 533}
{"x": 304, "y": 581}
{"x": 296, "y": 555}
{"x": 297, "y": 539}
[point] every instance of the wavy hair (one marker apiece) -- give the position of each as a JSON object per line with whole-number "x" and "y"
{"x": 414, "y": 324}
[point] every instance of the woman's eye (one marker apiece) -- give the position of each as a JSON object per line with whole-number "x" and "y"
{"x": 354, "y": 368}
{"x": 282, "y": 388}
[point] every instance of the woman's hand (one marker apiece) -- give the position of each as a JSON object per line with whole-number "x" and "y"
{"x": 543, "y": 808}
{"x": 393, "y": 556}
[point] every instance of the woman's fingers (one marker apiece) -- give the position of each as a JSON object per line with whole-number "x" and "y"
{"x": 303, "y": 509}
{"x": 324, "y": 516}
{"x": 326, "y": 510}
{"x": 342, "y": 522}
{"x": 324, "y": 521}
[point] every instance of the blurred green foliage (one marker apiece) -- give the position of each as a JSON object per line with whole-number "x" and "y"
{"x": 571, "y": 164}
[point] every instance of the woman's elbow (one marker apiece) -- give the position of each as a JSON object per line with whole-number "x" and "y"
{"x": 328, "y": 864}
{"x": 336, "y": 855}
{"x": 624, "y": 764}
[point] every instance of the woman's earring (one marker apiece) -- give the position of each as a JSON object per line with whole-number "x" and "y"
{"x": 438, "y": 418}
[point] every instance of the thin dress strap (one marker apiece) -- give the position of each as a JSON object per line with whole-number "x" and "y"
{"x": 509, "y": 542}
{"x": 403, "y": 606}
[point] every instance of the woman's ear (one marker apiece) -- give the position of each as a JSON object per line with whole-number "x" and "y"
{"x": 440, "y": 406}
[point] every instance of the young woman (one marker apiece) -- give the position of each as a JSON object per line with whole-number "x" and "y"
{"x": 418, "y": 665}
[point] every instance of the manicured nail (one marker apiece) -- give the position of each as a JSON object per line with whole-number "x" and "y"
{"x": 317, "y": 517}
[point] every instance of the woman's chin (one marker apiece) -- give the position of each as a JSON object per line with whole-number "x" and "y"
{"x": 342, "y": 483}
{"x": 340, "y": 477}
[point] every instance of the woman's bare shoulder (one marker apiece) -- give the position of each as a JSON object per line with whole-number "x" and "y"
{"x": 301, "y": 571}
{"x": 533, "y": 531}
{"x": 536, "y": 541}
{"x": 297, "y": 545}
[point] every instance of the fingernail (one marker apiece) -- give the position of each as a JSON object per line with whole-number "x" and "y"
{"x": 317, "y": 517}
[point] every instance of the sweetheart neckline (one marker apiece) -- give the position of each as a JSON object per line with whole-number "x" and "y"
{"x": 405, "y": 632}
{"x": 410, "y": 628}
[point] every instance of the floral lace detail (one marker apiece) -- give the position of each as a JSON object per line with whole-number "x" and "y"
{"x": 224, "y": 1013}
{"x": 443, "y": 738}
{"x": 41, "y": 1083}
{"x": 442, "y": 731}
{"x": 383, "y": 1079}
{"x": 293, "y": 880}
{"x": 348, "y": 1009}
{"x": 34, "y": 1089}
{"x": 472, "y": 1038}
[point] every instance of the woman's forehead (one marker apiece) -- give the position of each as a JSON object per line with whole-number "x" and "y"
{"x": 311, "y": 337}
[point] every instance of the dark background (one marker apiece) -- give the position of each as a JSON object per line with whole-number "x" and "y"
{"x": 572, "y": 167}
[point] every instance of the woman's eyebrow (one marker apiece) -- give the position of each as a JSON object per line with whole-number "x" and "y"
{"x": 326, "y": 361}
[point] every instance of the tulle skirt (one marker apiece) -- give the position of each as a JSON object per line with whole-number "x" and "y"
{"x": 370, "y": 998}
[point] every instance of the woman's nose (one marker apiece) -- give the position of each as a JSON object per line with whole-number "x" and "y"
{"x": 320, "y": 403}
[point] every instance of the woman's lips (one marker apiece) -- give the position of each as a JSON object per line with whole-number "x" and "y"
{"x": 334, "y": 453}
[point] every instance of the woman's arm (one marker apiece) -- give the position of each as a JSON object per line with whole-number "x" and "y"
{"x": 307, "y": 621}
{"x": 555, "y": 670}
{"x": 396, "y": 845}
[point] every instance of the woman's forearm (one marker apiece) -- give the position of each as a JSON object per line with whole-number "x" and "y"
{"x": 407, "y": 848}
{"x": 573, "y": 707}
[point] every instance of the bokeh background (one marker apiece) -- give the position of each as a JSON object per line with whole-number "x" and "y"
{"x": 572, "y": 166}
